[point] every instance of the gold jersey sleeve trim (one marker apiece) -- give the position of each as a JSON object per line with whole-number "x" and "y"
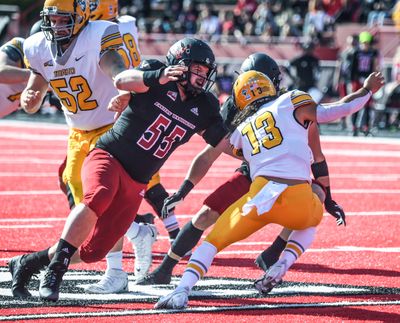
{"x": 300, "y": 98}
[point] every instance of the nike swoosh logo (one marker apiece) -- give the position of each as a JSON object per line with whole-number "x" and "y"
{"x": 78, "y": 58}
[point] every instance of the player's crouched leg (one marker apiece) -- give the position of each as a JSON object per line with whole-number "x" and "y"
{"x": 115, "y": 198}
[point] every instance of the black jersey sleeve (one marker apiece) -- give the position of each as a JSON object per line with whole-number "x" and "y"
{"x": 150, "y": 65}
{"x": 214, "y": 133}
{"x": 228, "y": 112}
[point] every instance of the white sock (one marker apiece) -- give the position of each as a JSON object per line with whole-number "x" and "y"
{"x": 114, "y": 260}
{"x": 198, "y": 265}
{"x": 299, "y": 241}
{"x": 171, "y": 223}
{"x": 133, "y": 231}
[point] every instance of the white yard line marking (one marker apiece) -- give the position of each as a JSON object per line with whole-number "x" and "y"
{"x": 33, "y": 136}
{"x": 25, "y": 226}
{"x": 55, "y": 192}
{"x": 32, "y": 124}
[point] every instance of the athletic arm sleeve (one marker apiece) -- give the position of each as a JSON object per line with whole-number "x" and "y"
{"x": 331, "y": 112}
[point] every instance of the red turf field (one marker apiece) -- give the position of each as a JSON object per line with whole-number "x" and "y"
{"x": 349, "y": 274}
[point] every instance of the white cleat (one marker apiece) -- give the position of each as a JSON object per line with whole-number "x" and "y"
{"x": 113, "y": 281}
{"x": 178, "y": 299}
{"x": 272, "y": 277}
{"x": 143, "y": 245}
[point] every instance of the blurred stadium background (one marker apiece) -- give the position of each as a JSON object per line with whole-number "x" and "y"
{"x": 237, "y": 28}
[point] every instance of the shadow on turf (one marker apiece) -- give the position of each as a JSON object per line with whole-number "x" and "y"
{"x": 311, "y": 268}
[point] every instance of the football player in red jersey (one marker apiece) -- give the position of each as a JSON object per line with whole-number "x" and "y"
{"x": 159, "y": 118}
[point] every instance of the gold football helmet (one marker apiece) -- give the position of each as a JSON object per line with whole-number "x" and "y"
{"x": 252, "y": 86}
{"x": 103, "y": 9}
{"x": 76, "y": 10}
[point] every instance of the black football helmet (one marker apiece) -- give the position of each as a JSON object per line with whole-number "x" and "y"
{"x": 36, "y": 27}
{"x": 192, "y": 50}
{"x": 263, "y": 63}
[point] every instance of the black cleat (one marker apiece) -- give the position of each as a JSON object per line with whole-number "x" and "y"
{"x": 145, "y": 218}
{"x": 49, "y": 288}
{"x": 21, "y": 275}
{"x": 155, "y": 278}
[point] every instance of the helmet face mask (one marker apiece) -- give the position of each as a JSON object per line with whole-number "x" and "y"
{"x": 75, "y": 13}
{"x": 191, "y": 52}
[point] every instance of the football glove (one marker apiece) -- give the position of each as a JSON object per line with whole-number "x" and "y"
{"x": 172, "y": 201}
{"x": 334, "y": 209}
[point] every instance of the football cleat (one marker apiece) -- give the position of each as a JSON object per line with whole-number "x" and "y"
{"x": 155, "y": 278}
{"x": 272, "y": 278}
{"x": 49, "y": 288}
{"x": 178, "y": 299}
{"x": 113, "y": 281}
{"x": 142, "y": 245}
{"x": 21, "y": 275}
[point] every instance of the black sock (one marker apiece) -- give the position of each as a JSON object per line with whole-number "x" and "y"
{"x": 272, "y": 253}
{"x": 173, "y": 234}
{"x": 37, "y": 260}
{"x": 63, "y": 255}
{"x": 186, "y": 240}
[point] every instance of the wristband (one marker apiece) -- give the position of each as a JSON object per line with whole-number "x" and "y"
{"x": 320, "y": 169}
{"x": 151, "y": 78}
{"x": 185, "y": 188}
{"x": 368, "y": 91}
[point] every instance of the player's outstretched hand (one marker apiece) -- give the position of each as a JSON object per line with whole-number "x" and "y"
{"x": 120, "y": 102}
{"x": 30, "y": 100}
{"x": 374, "y": 82}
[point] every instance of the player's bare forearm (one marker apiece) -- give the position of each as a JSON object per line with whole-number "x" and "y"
{"x": 12, "y": 74}
{"x": 32, "y": 96}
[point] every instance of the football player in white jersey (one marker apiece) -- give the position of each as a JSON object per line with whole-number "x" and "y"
{"x": 271, "y": 134}
{"x": 78, "y": 60}
{"x": 13, "y": 75}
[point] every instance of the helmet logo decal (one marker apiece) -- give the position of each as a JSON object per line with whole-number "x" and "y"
{"x": 82, "y": 4}
{"x": 93, "y": 5}
{"x": 180, "y": 51}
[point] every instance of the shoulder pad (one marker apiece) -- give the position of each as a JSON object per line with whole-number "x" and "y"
{"x": 300, "y": 98}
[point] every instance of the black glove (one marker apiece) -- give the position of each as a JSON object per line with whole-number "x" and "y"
{"x": 334, "y": 209}
{"x": 172, "y": 201}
